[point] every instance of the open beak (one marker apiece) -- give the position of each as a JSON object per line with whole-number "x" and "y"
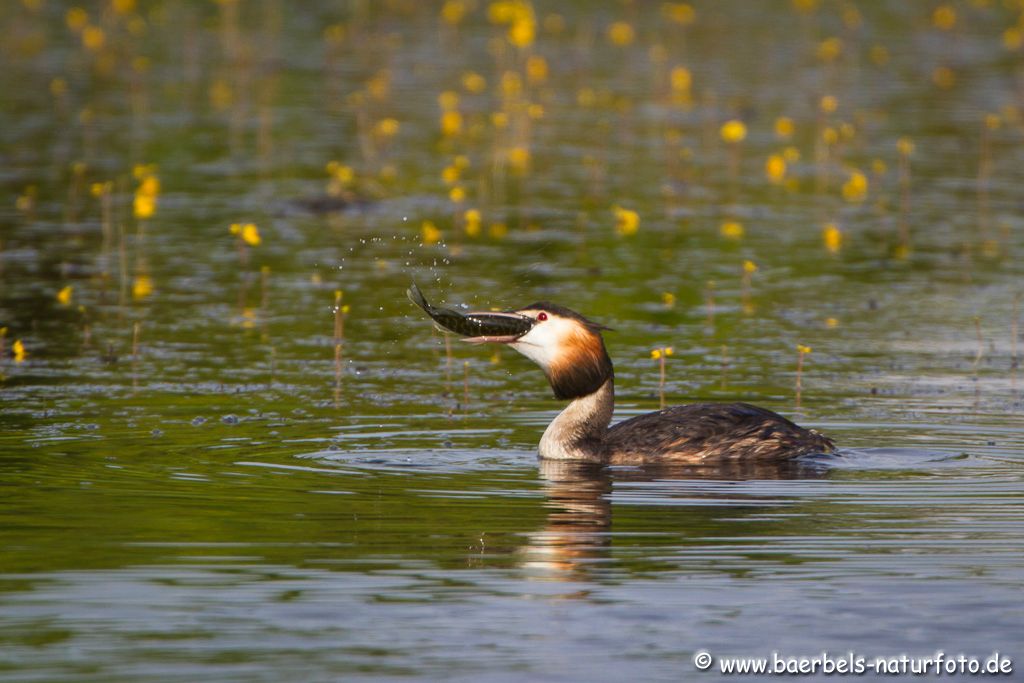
{"x": 492, "y": 339}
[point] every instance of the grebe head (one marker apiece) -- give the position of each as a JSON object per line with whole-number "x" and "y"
{"x": 567, "y": 347}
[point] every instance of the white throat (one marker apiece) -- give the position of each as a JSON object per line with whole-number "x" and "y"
{"x": 577, "y": 433}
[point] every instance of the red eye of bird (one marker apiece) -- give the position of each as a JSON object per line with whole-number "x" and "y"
{"x": 542, "y": 316}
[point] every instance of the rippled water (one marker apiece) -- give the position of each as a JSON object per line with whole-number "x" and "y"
{"x": 194, "y": 488}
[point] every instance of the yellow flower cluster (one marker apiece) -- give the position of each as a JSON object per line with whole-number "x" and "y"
{"x": 247, "y": 232}
{"x": 147, "y": 192}
{"x": 520, "y": 18}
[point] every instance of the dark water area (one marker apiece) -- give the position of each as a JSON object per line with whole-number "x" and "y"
{"x": 232, "y": 449}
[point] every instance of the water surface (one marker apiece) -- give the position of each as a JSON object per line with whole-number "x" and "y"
{"x": 196, "y": 486}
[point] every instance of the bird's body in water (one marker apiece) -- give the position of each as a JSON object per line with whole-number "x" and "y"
{"x": 571, "y": 352}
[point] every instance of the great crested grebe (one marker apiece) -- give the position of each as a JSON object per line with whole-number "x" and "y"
{"x": 571, "y": 352}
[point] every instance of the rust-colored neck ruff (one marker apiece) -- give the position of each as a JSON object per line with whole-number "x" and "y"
{"x": 582, "y": 367}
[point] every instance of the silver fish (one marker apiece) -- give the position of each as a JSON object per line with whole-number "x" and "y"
{"x": 478, "y": 326}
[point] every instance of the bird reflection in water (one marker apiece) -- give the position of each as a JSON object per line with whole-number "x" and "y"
{"x": 577, "y": 536}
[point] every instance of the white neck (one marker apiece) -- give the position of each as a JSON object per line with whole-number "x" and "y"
{"x": 578, "y": 431}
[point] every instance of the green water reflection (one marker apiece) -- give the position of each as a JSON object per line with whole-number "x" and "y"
{"x": 204, "y": 477}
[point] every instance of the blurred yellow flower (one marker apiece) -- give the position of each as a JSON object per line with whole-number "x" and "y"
{"x": 18, "y": 349}
{"x": 448, "y": 100}
{"x": 784, "y": 127}
{"x": 511, "y": 83}
{"x": 733, "y": 131}
{"x": 474, "y": 82}
{"x": 944, "y": 17}
{"x": 519, "y": 159}
{"x": 451, "y": 123}
{"x": 749, "y": 266}
{"x": 681, "y": 79}
{"x": 831, "y": 323}
{"x": 64, "y": 295}
{"x": 450, "y": 174}
{"x": 430, "y": 232}
{"x": 343, "y": 173}
{"x": 472, "y": 218}
{"x": 833, "y": 238}
{"x": 803, "y": 350}
{"x": 855, "y": 189}
{"x": 661, "y": 352}
{"x": 386, "y": 128}
{"x": 669, "y": 299}
{"x": 150, "y": 185}
{"x": 905, "y": 146}
{"x": 775, "y": 168}
{"x": 1013, "y": 38}
{"x": 457, "y": 194}
{"x": 452, "y": 11}
{"x": 142, "y": 287}
{"x": 536, "y": 69}
{"x": 621, "y": 33}
{"x": 379, "y": 85}
{"x": 247, "y": 232}
{"x": 144, "y": 206}
{"x": 522, "y": 31}
{"x": 829, "y": 104}
{"x": 679, "y": 12}
{"x": 830, "y": 49}
{"x": 93, "y": 38}
{"x": 76, "y": 18}
{"x": 732, "y": 230}
{"x": 627, "y": 221}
